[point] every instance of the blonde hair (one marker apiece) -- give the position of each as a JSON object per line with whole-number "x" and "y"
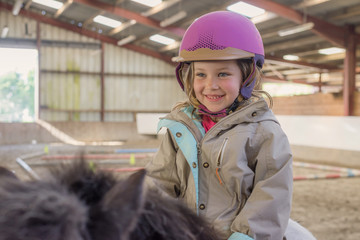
{"x": 246, "y": 67}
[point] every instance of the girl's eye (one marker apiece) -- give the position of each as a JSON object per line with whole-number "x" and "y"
{"x": 223, "y": 74}
{"x": 200, "y": 74}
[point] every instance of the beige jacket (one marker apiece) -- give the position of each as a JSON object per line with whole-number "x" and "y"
{"x": 238, "y": 175}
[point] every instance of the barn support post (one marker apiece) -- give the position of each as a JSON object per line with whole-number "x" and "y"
{"x": 102, "y": 80}
{"x": 349, "y": 71}
{"x": 37, "y": 93}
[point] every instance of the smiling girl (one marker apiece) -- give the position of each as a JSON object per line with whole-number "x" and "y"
{"x": 224, "y": 153}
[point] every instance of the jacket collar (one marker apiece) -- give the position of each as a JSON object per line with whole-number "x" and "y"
{"x": 256, "y": 111}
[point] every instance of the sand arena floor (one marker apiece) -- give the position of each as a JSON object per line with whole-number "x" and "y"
{"x": 329, "y": 208}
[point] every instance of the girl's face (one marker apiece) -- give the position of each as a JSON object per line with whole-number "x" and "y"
{"x": 217, "y": 83}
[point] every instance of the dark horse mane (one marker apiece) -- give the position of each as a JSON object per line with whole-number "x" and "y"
{"x": 77, "y": 203}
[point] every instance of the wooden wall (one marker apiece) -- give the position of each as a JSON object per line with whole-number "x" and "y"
{"x": 326, "y": 104}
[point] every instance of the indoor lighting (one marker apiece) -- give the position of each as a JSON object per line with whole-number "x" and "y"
{"x": 296, "y": 29}
{"x": 263, "y": 17}
{"x": 246, "y": 9}
{"x": 107, "y": 21}
{"x": 4, "y": 32}
{"x": 161, "y": 39}
{"x": 149, "y": 3}
{"x": 126, "y": 40}
{"x": 49, "y": 3}
{"x": 291, "y": 57}
{"x": 332, "y": 50}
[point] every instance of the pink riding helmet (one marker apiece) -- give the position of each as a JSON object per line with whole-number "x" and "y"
{"x": 221, "y": 35}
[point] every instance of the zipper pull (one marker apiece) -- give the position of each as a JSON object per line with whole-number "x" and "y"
{"x": 218, "y": 176}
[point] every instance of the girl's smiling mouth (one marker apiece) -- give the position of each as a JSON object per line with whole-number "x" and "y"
{"x": 214, "y": 98}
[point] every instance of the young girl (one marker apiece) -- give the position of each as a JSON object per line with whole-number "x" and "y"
{"x": 224, "y": 153}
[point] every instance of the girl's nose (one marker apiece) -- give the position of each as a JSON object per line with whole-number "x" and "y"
{"x": 212, "y": 83}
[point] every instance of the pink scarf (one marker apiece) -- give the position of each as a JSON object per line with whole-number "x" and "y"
{"x": 207, "y": 122}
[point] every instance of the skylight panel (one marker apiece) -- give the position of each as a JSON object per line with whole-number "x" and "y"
{"x": 107, "y": 21}
{"x": 149, "y": 3}
{"x": 162, "y": 39}
{"x": 332, "y": 50}
{"x": 49, "y": 3}
{"x": 245, "y": 9}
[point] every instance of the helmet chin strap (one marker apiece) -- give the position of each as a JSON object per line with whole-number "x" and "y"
{"x": 221, "y": 113}
{"x": 246, "y": 88}
{"x": 203, "y": 110}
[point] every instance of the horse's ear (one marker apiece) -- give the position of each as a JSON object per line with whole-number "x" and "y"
{"x": 125, "y": 201}
{"x": 6, "y": 173}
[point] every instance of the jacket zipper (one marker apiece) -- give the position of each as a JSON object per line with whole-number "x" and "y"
{"x": 220, "y": 159}
{"x": 221, "y": 152}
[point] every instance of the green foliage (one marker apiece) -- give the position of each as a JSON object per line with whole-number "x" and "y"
{"x": 16, "y": 96}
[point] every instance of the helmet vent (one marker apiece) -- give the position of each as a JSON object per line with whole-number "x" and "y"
{"x": 206, "y": 41}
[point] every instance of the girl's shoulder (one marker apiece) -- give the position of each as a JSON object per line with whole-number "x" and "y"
{"x": 183, "y": 114}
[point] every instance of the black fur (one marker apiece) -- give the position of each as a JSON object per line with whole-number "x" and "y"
{"x": 77, "y": 203}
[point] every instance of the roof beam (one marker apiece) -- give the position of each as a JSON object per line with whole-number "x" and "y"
{"x": 88, "y": 33}
{"x": 122, "y": 27}
{"x": 278, "y": 80}
{"x": 301, "y": 42}
{"x": 160, "y": 7}
{"x": 63, "y": 8}
{"x": 169, "y": 47}
{"x": 118, "y": 2}
{"x": 17, "y": 7}
{"x": 332, "y": 57}
{"x": 298, "y": 64}
{"x": 309, "y": 3}
{"x": 91, "y": 19}
{"x": 349, "y": 12}
{"x": 27, "y": 5}
{"x": 121, "y": 12}
{"x": 275, "y": 71}
{"x": 329, "y": 31}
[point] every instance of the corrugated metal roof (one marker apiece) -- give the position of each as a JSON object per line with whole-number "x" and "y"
{"x": 79, "y": 15}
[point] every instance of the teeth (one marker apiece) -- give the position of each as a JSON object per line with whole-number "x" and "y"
{"x": 213, "y": 97}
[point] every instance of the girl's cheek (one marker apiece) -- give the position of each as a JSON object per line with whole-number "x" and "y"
{"x": 197, "y": 85}
{"x": 197, "y": 90}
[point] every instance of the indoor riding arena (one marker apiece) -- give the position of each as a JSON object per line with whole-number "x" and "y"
{"x": 72, "y": 87}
